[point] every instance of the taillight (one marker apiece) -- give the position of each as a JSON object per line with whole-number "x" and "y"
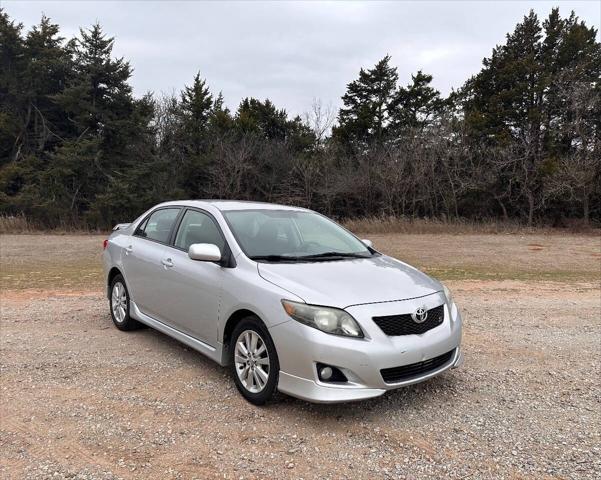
{"x": 105, "y": 244}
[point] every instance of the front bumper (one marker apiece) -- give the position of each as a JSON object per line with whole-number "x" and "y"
{"x": 300, "y": 347}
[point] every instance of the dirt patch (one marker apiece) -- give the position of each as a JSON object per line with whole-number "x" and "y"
{"x": 80, "y": 399}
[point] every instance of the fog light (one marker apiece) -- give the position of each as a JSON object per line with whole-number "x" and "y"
{"x": 327, "y": 373}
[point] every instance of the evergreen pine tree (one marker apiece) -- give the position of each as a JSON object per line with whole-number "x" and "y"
{"x": 48, "y": 71}
{"x": 262, "y": 118}
{"x": 518, "y": 102}
{"x": 101, "y": 110}
{"x": 221, "y": 120}
{"x": 417, "y": 105}
{"x": 504, "y": 108}
{"x": 13, "y": 102}
{"x": 196, "y": 107}
{"x": 365, "y": 117}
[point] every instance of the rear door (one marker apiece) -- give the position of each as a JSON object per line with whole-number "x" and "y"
{"x": 191, "y": 291}
{"x": 143, "y": 257}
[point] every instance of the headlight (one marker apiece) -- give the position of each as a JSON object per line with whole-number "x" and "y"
{"x": 449, "y": 296}
{"x": 329, "y": 320}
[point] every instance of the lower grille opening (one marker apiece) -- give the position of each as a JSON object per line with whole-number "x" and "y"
{"x": 405, "y": 372}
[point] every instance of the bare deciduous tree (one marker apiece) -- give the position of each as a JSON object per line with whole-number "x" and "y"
{"x": 320, "y": 120}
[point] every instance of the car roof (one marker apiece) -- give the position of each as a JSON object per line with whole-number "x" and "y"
{"x": 224, "y": 205}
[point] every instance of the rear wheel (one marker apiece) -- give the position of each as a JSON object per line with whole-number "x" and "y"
{"x": 254, "y": 361}
{"x": 119, "y": 305}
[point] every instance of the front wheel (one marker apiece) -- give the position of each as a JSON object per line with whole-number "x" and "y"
{"x": 254, "y": 361}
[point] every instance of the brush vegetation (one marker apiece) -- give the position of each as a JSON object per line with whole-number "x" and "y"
{"x": 518, "y": 142}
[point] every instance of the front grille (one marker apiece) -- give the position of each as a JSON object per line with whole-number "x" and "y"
{"x": 398, "y": 374}
{"x": 394, "y": 325}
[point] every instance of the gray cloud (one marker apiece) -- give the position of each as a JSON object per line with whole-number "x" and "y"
{"x": 293, "y": 52}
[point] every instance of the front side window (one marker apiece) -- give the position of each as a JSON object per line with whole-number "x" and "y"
{"x": 158, "y": 225}
{"x": 198, "y": 227}
{"x": 292, "y": 235}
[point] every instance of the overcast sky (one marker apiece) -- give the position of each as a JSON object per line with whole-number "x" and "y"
{"x": 294, "y": 52}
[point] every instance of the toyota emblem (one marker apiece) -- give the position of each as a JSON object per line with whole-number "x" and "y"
{"x": 420, "y": 315}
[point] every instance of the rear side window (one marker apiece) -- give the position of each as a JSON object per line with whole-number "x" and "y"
{"x": 197, "y": 227}
{"x": 158, "y": 225}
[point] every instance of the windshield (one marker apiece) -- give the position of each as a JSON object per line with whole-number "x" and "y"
{"x": 291, "y": 235}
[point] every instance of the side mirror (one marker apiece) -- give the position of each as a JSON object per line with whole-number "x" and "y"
{"x": 204, "y": 252}
{"x": 367, "y": 243}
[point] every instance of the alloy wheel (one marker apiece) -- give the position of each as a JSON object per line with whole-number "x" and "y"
{"x": 252, "y": 361}
{"x": 119, "y": 302}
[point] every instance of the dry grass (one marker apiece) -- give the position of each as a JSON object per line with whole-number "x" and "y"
{"x": 50, "y": 261}
{"x": 67, "y": 261}
{"x": 391, "y": 224}
{"x": 20, "y": 224}
{"x": 15, "y": 224}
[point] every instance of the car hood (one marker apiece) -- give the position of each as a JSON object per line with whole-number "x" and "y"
{"x": 349, "y": 282}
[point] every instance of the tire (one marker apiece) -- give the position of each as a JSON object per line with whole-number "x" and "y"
{"x": 119, "y": 305}
{"x": 255, "y": 375}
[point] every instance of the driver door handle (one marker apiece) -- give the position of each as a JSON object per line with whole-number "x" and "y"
{"x": 167, "y": 262}
{"x": 128, "y": 250}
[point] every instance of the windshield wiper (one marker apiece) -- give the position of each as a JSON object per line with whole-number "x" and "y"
{"x": 335, "y": 254}
{"x": 302, "y": 258}
{"x": 276, "y": 258}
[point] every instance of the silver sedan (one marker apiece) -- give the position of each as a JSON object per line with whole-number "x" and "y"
{"x": 286, "y": 298}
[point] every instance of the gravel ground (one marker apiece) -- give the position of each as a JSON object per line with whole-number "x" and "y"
{"x": 80, "y": 399}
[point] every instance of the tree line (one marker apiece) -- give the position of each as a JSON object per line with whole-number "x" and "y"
{"x": 519, "y": 140}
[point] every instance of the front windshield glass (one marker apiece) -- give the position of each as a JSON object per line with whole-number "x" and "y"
{"x": 291, "y": 234}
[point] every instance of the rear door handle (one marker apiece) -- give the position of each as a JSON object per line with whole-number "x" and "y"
{"x": 128, "y": 250}
{"x": 167, "y": 262}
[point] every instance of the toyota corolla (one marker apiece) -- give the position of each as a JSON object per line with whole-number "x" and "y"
{"x": 284, "y": 297}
